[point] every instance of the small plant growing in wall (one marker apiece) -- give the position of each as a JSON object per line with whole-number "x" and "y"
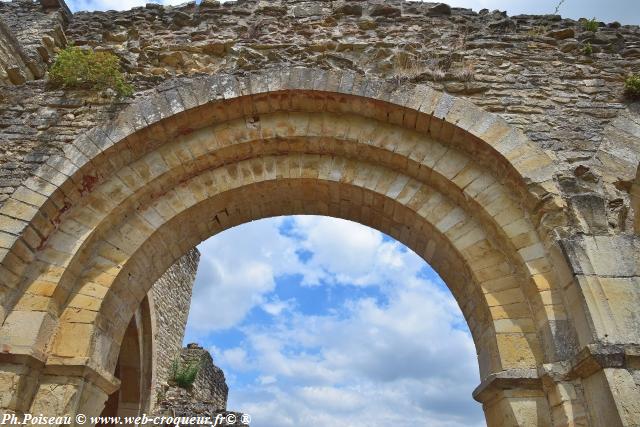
{"x": 632, "y": 86}
{"x": 591, "y": 25}
{"x": 86, "y": 69}
{"x": 184, "y": 374}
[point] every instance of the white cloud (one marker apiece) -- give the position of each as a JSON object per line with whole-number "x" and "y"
{"x": 236, "y": 358}
{"x": 237, "y": 269}
{"x": 276, "y": 307}
{"x": 374, "y": 367}
{"x": 332, "y": 399}
{"x": 267, "y": 379}
{"x": 361, "y": 405}
{"x": 229, "y": 295}
{"x": 344, "y": 249}
{"x": 345, "y": 252}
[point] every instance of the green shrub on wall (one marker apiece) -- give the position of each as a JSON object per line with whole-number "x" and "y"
{"x": 632, "y": 86}
{"x": 591, "y": 25}
{"x": 84, "y": 68}
{"x": 184, "y": 375}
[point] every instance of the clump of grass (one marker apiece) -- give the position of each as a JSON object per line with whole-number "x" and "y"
{"x": 184, "y": 375}
{"x": 632, "y": 86}
{"x": 591, "y": 25}
{"x": 466, "y": 72}
{"x": 406, "y": 66}
{"x": 84, "y": 68}
{"x": 587, "y": 49}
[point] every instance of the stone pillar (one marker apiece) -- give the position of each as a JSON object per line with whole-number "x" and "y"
{"x": 18, "y": 382}
{"x": 613, "y": 398}
{"x": 62, "y": 395}
{"x": 566, "y": 399}
{"x": 514, "y": 398}
{"x": 54, "y": 390}
{"x": 604, "y": 297}
{"x": 611, "y": 393}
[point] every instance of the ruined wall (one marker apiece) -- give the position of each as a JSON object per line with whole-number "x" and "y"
{"x": 171, "y": 298}
{"x": 13, "y": 59}
{"x": 206, "y": 397}
{"x": 33, "y": 122}
{"x": 210, "y": 385}
{"x": 36, "y": 30}
{"x": 532, "y": 70}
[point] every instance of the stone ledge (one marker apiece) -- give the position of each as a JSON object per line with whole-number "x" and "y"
{"x": 81, "y": 367}
{"x": 512, "y": 379}
{"x": 65, "y": 367}
{"x": 22, "y": 359}
{"x": 592, "y": 359}
{"x": 596, "y": 357}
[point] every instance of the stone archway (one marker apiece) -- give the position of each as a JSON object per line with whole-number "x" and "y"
{"x": 95, "y": 227}
{"x": 126, "y": 400}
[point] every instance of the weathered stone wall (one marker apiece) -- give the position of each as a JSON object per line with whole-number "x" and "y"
{"x": 34, "y": 122}
{"x": 13, "y": 60}
{"x": 178, "y": 402}
{"x": 36, "y": 31}
{"x": 210, "y": 385}
{"x": 206, "y": 397}
{"x": 532, "y": 70}
{"x": 171, "y": 296}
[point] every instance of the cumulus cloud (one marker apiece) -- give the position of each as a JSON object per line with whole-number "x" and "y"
{"x": 237, "y": 269}
{"x": 276, "y": 307}
{"x": 235, "y": 358}
{"x": 395, "y": 354}
{"x": 374, "y": 366}
{"x": 343, "y": 252}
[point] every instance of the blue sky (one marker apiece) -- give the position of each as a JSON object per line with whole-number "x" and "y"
{"x": 320, "y": 321}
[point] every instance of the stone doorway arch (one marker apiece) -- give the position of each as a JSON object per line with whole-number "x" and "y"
{"x": 133, "y": 367}
{"x": 96, "y": 226}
